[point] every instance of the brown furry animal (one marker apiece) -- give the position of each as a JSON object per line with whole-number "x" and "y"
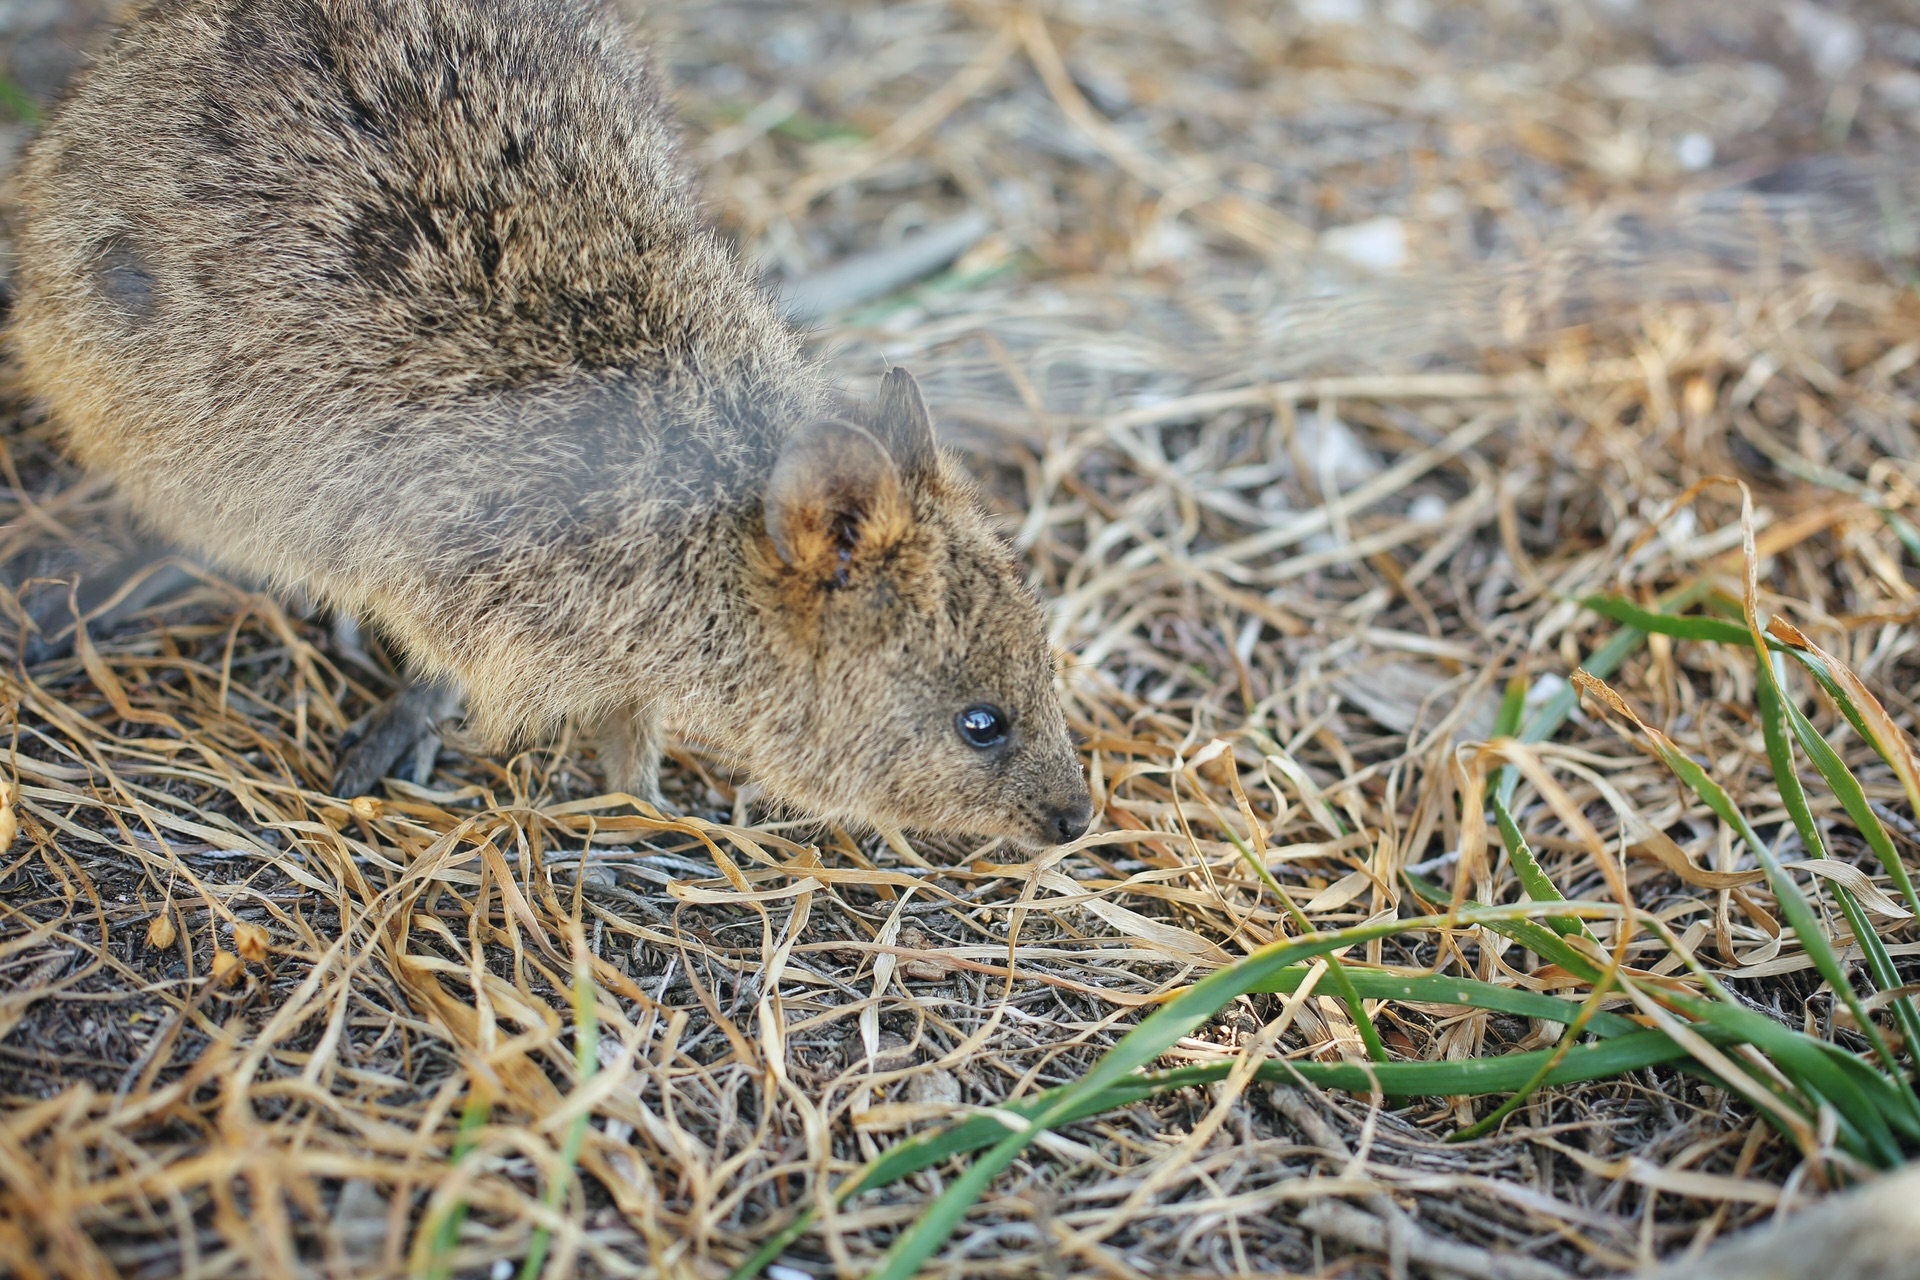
{"x": 409, "y": 303}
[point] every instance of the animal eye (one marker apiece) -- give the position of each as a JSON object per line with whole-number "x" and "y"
{"x": 982, "y": 726}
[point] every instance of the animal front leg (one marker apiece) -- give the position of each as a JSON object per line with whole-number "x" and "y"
{"x": 405, "y": 722}
{"x": 628, "y": 741}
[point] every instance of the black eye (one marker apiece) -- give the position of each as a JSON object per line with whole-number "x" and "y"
{"x": 982, "y": 726}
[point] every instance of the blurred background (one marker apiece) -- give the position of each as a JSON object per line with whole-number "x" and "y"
{"x": 1232, "y": 161}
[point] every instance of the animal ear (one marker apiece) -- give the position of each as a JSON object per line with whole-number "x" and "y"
{"x": 834, "y": 495}
{"x": 902, "y": 422}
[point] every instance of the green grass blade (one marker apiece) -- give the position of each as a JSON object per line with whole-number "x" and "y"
{"x": 1894, "y": 1100}
{"x": 1903, "y": 530}
{"x": 1853, "y": 798}
{"x": 1625, "y": 1052}
{"x": 1336, "y": 971}
{"x": 1473, "y": 1077}
{"x": 1553, "y": 1060}
{"x": 1554, "y": 711}
{"x": 1824, "y": 678}
{"x": 1533, "y": 877}
{"x": 1603, "y": 662}
{"x": 1154, "y": 1036}
{"x": 1619, "y": 609}
{"x": 1775, "y": 713}
{"x": 804, "y": 128}
{"x": 440, "y": 1256}
{"x": 1466, "y": 992}
{"x": 1776, "y": 727}
{"x": 1793, "y": 903}
{"x": 17, "y": 102}
{"x": 1537, "y": 938}
{"x": 586, "y": 1057}
{"x": 1192, "y": 1007}
{"x": 1526, "y": 866}
{"x": 1811, "y": 1063}
{"x": 1865, "y": 1104}
{"x": 1513, "y": 705}
{"x": 1860, "y": 1095}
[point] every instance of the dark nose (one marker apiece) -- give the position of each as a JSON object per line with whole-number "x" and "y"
{"x": 1070, "y": 823}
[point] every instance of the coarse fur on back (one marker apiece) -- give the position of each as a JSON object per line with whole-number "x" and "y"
{"x": 410, "y": 303}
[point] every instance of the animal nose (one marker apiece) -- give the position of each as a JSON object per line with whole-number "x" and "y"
{"x": 1070, "y": 822}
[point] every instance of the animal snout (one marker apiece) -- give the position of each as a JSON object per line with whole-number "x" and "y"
{"x": 1070, "y": 821}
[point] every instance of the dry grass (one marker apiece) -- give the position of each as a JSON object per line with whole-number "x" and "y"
{"x": 1302, "y": 522}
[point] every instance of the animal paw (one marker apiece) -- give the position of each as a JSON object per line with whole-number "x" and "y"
{"x": 404, "y": 725}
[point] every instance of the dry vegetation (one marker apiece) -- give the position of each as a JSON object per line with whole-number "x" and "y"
{"x": 1320, "y": 367}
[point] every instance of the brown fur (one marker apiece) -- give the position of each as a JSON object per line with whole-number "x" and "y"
{"x": 409, "y": 303}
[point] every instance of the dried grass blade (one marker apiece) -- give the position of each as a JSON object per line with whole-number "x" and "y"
{"x": 1866, "y": 712}
{"x": 1603, "y": 662}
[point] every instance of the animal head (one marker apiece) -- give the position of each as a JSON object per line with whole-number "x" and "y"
{"x": 920, "y": 681}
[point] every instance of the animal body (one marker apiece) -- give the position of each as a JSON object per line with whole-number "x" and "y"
{"x": 1868, "y": 1233}
{"x": 410, "y": 303}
